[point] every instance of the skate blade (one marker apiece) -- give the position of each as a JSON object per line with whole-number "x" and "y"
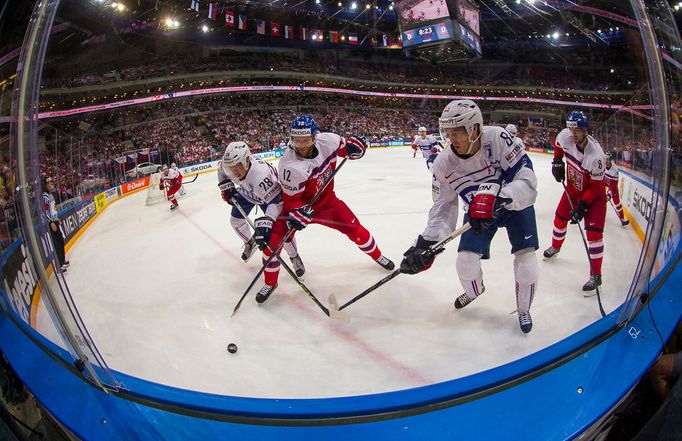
{"x": 334, "y": 311}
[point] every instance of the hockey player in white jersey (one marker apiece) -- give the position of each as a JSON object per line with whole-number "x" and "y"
{"x": 249, "y": 181}
{"x": 174, "y": 166}
{"x": 428, "y": 145}
{"x": 495, "y": 179}
{"x": 511, "y": 128}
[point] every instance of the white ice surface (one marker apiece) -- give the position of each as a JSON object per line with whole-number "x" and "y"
{"x": 156, "y": 289}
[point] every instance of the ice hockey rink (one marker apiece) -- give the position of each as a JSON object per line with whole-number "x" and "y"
{"x": 156, "y": 289}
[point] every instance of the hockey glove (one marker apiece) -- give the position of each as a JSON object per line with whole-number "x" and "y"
{"x": 419, "y": 257}
{"x": 300, "y": 218}
{"x": 484, "y": 206}
{"x": 263, "y": 226}
{"x": 579, "y": 212}
{"x": 161, "y": 185}
{"x": 228, "y": 191}
{"x": 356, "y": 146}
{"x": 558, "y": 169}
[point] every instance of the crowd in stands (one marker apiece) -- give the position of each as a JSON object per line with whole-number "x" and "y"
{"x": 398, "y": 71}
{"x": 194, "y": 130}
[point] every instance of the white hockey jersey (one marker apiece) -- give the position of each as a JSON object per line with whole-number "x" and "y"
{"x": 425, "y": 144}
{"x": 301, "y": 178}
{"x": 499, "y": 159}
{"x": 172, "y": 175}
{"x": 260, "y": 186}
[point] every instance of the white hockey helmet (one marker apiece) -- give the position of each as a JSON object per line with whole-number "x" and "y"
{"x": 461, "y": 113}
{"x": 511, "y": 128}
{"x": 421, "y": 129}
{"x": 236, "y": 152}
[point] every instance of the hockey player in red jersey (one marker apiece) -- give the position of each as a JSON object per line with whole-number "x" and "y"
{"x": 302, "y": 171}
{"x": 611, "y": 182}
{"x": 172, "y": 180}
{"x": 585, "y": 187}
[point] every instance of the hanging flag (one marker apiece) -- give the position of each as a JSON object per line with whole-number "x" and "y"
{"x": 260, "y": 27}
{"x": 390, "y": 41}
{"x": 195, "y": 5}
{"x": 241, "y": 23}
{"x": 212, "y": 11}
{"x": 288, "y": 32}
{"x": 353, "y": 38}
{"x": 275, "y": 29}
{"x": 304, "y": 33}
{"x": 334, "y": 36}
{"x": 385, "y": 37}
{"x": 229, "y": 19}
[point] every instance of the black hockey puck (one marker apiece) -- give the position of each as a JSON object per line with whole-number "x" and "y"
{"x": 232, "y": 348}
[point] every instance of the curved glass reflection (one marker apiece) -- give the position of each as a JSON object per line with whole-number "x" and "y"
{"x": 103, "y": 94}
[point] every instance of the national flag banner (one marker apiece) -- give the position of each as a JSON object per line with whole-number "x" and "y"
{"x": 212, "y": 11}
{"x": 334, "y": 36}
{"x": 275, "y": 29}
{"x": 288, "y": 32}
{"x": 195, "y": 5}
{"x": 241, "y": 23}
{"x": 390, "y": 41}
{"x": 260, "y": 27}
{"x": 353, "y": 38}
{"x": 304, "y": 33}
{"x": 229, "y": 19}
{"x": 385, "y": 37}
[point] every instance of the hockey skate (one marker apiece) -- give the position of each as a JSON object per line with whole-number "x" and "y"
{"x": 249, "y": 248}
{"x": 174, "y": 206}
{"x": 525, "y": 322}
{"x": 550, "y": 252}
{"x": 66, "y": 264}
{"x": 592, "y": 283}
{"x": 385, "y": 263}
{"x": 265, "y": 293}
{"x": 464, "y": 299}
{"x": 299, "y": 268}
{"x": 624, "y": 222}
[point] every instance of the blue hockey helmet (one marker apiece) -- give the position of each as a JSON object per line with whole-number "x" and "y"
{"x": 577, "y": 119}
{"x": 303, "y": 125}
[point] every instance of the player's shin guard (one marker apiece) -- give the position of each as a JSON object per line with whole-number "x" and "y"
{"x": 596, "y": 250}
{"x": 241, "y": 228}
{"x": 470, "y": 276}
{"x": 559, "y": 232}
{"x": 526, "y": 275}
{"x": 364, "y": 240}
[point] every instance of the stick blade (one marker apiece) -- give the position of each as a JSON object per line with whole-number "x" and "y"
{"x": 334, "y": 311}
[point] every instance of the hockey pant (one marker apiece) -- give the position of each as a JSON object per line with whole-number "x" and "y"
{"x": 243, "y": 229}
{"x": 594, "y": 228}
{"x": 335, "y": 215}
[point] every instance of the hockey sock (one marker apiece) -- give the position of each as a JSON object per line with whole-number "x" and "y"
{"x": 364, "y": 240}
{"x": 558, "y": 232}
{"x": 271, "y": 273}
{"x": 595, "y": 244}
{"x": 241, "y": 228}
{"x": 290, "y": 248}
{"x": 470, "y": 274}
{"x": 526, "y": 275}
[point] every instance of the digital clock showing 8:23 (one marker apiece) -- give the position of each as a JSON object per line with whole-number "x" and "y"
{"x": 426, "y": 30}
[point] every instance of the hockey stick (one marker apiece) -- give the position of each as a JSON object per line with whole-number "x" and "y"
{"x": 433, "y": 250}
{"x": 189, "y": 182}
{"x": 288, "y": 269}
{"x": 286, "y": 237}
{"x": 587, "y": 250}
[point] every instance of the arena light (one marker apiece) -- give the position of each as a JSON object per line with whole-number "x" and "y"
{"x": 204, "y": 28}
{"x": 555, "y": 35}
{"x": 353, "y": 5}
{"x": 169, "y": 22}
{"x": 390, "y": 8}
{"x": 340, "y": 4}
{"x": 367, "y": 6}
